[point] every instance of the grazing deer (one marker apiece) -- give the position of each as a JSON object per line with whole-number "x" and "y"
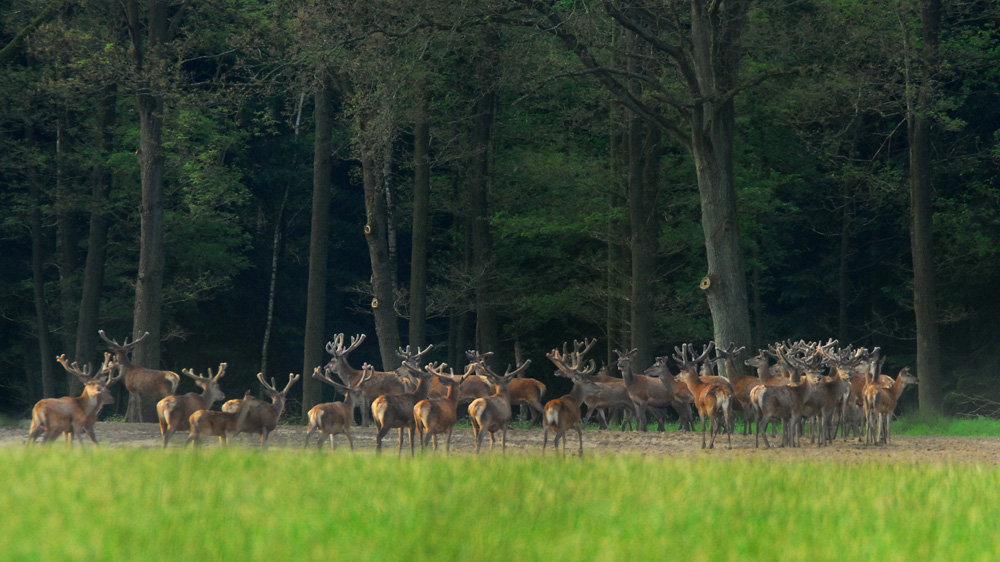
{"x": 381, "y": 382}
{"x": 673, "y": 385}
{"x": 395, "y": 411}
{"x": 143, "y": 384}
{"x": 174, "y": 411}
{"x": 492, "y": 413}
{"x": 207, "y": 423}
{"x": 563, "y": 414}
{"x": 711, "y": 397}
{"x": 435, "y": 416}
{"x": 74, "y": 415}
{"x": 334, "y": 418}
{"x": 880, "y": 402}
{"x": 262, "y": 417}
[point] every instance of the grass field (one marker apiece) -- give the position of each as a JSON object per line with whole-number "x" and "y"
{"x": 238, "y": 504}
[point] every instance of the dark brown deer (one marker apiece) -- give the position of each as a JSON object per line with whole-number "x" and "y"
{"x": 70, "y": 415}
{"x": 175, "y": 411}
{"x": 335, "y": 418}
{"x": 436, "y": 416}
{"x": 711, "y": 397}
{"x": 563, "y": 414}
{"x": 224, "y": 425}
{"x": 144, "y": 385}
{"x": 262, "y": 417}
{"x": 380, "y": 383}
{"x": 527, "y": 393}
{"x": 492, "y": 413}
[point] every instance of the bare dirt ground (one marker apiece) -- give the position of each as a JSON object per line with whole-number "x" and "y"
{"x": 529, "y": 441}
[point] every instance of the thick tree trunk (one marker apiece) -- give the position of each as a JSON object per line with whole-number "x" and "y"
{"x": 97, "y": 239}
{"x": 319, "y": 238}
{"x": 421, "y": 201}
{"x": 642, "y": 205}
{"x": 487, "y": 328}
{"x": 66, "y": 236}
{"x": 376, "y": 234}
{"x": 922, "y": 213}
{"x": 38, "y": 280}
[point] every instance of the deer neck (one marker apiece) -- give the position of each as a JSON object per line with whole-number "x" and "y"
{"x": 348, "y": 374}
{"x": 210, "y": 396}
{"x": 733, "y": 372}
{"x": 89, "y": 401}
{"x": 626, "y": 368}
{"x": 577, "y": 394}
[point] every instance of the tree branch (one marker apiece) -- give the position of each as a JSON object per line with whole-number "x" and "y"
{"x": 14, "y": 46}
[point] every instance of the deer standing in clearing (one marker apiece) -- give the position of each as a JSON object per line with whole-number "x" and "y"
{"x": 262, "y": 417}
{"x": 492, "y": 413}
{"x": 70, "y": 415}
{"x": 563, "y": 414}
{"x": 333, "y": 418}
{"x": 395, "y": 411}
{"x": 175, "y": 411}
{"x": 206, "y": 423}
{"x": 711, "y": 397}
{"x": 880, "y": 402}
{"x": 436, "y": 416}
{"x": 682, "y": 397}
{"x": 143, "y": 384}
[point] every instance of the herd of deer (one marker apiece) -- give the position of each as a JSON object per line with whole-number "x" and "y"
{"x": 831, "y": 389}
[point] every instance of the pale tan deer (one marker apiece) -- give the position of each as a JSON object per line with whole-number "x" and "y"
{"x": 224, "y": 425}
{"x": 880, "y": 403}
{"x": 395, "y": 411}
{"x": 144, "y": 385}
{"x": 492, "y": 413}
{"x": 262, "y": 417}
{"x": 563, "y": 414}
{"x": 711, "y": 397}
{"x": 174, "y": 411}
{"x": 70, "y": 415}
{"x": 436, "y": 416}
{"x": 335, "y": 418}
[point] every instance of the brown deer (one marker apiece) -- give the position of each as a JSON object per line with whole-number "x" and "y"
{"x": 742, "y": 383}
{"x": 492, "y": 413}
{"x": 333, "y": 418}
{"x": 711, "y": 397}
{"x": 880, "y": 403}
{"x": 207, "y": 423}
{"x": 381, "y": 382}
{"x": 436, "y": 416}
{"x": 647, "y": 394}
{"x": 395, "y": 411}
{"x": 174, "y": 411}
{"x": 527, "y": 393}
{"x": 563, "y": 414}
{"x": 673, "y": 385}
{"x": 143, "y": 384}
{"x": 262, "y": 417}
{"x": 70, "y": 415}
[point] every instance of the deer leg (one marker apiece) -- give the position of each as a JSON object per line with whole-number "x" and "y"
{"x": 545, "y": 440}
{"x": 579, "y": 434}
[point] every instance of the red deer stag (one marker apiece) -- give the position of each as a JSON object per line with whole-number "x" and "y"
{"x": 880, "y": 402}
{"x": 563, "y": 414}
{"x": 646, "y": 393}
{"x": 74, "y": 415}
{"x": 395, "y": 411}
{"x": 145, "y": 386}
{"x": 262, "y": 417}
{"x": 711, "y": 397}
{"x": 333, "y": 418}
{"x": 436, "y": 416}
{"x": 492, "y": 413}
{"x": 207, "y": 423}
{"x": 742, "y": 383}
{"x": 673, "y": 385}
{"x": 174, "y": 411}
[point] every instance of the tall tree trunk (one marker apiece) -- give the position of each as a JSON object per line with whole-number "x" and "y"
{"x": 66, "y": 235}
{"x": 152, "y": 160}
{"x": 38, "y": 276}
{"x": 376, "y": 234}
{"x": 319, "y": 239}
{"x": 97, "y": 239}
{"x": 918, "y": 118}
{"x": 487, "y": 328}
{"x": 421, "y": 201}
{"x": 643, "y": 180}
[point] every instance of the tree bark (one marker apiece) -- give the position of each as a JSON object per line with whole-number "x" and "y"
{"x": 66, "y": 236}
{"x": 38, "y": 277}
{"x": 319, "y": 239}
{"x": 421, "y": 201}
{"x": 919, "y": 121}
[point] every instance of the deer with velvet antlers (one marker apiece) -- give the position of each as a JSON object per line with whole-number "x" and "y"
{"x": 70, "y": 415}
{"x": 336, "y": 418}
{"x": 174, "y": 411}
{"x": 143, "y": 384}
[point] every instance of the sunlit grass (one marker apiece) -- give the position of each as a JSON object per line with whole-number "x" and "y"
{"x": 947, "y": 427}
{"x": 237, "y": 504}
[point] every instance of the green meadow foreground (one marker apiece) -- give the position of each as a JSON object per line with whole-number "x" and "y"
{"x": 921, "y": 498}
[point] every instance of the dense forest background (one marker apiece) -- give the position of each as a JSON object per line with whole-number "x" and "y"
{"x": 245, "y": 179}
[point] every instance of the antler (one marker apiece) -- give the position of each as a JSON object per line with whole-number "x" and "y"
{"x": 407, "y": 355}
{"x": 336, "y": 347}
{"x": 74, "y": 368}
{"x": 211, "y": 376}
{"x": 273, "y": 386}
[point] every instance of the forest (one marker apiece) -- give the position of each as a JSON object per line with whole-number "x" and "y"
{"x": 246, "y": 179}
